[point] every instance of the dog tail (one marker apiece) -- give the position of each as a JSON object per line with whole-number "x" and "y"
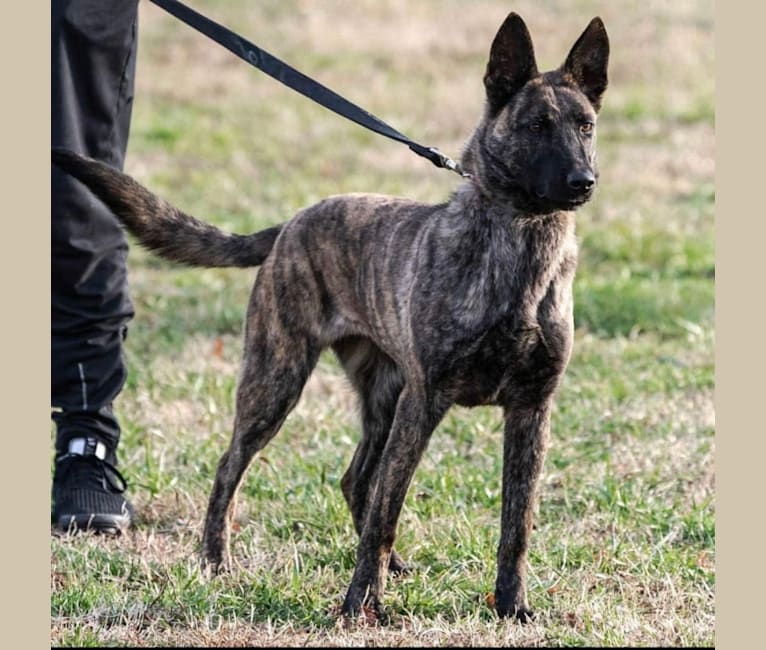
{"x": 159, "y": 226}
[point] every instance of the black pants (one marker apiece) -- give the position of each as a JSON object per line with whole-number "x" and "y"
{"x": 93, "y": 57}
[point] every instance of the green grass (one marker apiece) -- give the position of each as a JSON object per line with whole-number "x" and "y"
{"x": 624, "y": 547}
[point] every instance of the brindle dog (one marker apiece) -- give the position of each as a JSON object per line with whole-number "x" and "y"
{"x": 466, "y": 302}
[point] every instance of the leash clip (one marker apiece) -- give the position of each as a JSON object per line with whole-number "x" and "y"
{"x": 446, "y": 162}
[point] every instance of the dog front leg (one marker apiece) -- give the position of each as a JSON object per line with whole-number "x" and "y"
{"x": 413, "y": 424}
{"x": 525, "y": 444}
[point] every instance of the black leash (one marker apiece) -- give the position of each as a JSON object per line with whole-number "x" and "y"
{"x": 299, "y": 82}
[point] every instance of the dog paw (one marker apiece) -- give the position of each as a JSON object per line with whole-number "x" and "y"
{"x": 520, "y": 613}
{"x": 524, "y": 615}
{"x": 365, "y": 617}
{"x": 397, "y": 566}
{"x": 510, "y": 608}
{"x": 212, "y": 567}
{"x": 366, "y": 610}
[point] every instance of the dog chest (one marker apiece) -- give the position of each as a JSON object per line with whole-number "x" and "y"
{"x": 507, "y": 359}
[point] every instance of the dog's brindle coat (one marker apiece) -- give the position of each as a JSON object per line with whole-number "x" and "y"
{"x": 467, "y": 302}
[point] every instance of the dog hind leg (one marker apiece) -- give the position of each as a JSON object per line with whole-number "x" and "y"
{"x": 273, "y": 375}
{"x": 378, "y": 382}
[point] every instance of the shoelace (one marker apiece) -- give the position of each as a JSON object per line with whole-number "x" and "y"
{"x": 108, "y": 471}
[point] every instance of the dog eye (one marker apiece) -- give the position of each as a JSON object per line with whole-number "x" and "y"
{"x": 586, "y": 128}
{"x": 536, "y": 127}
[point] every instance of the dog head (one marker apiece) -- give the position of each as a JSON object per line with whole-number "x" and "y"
{"x": 536, "y": 144}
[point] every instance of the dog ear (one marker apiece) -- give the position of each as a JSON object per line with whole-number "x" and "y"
{"x": 588, "y": 60}
{"x": 511, "y": 62}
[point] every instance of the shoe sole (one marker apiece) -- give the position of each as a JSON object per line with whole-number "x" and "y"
{"x": 101, "y": 524}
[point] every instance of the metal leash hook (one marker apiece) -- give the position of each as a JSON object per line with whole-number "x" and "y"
{"x": 447, "y": 162}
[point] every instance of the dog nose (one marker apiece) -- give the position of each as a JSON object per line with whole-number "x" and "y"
{"x": 581, "y": 181}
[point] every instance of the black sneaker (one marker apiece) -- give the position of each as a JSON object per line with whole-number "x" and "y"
{"x": 87, "y": 490}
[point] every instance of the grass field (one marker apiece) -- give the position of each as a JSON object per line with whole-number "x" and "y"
{"x": 624, "y": 548}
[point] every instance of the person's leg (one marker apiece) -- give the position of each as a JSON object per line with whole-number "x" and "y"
{"x": 93, "y": 55}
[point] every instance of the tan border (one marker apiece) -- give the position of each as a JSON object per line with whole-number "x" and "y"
{"x": 26, "y": 331}
{"x": 739, "y": 324}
